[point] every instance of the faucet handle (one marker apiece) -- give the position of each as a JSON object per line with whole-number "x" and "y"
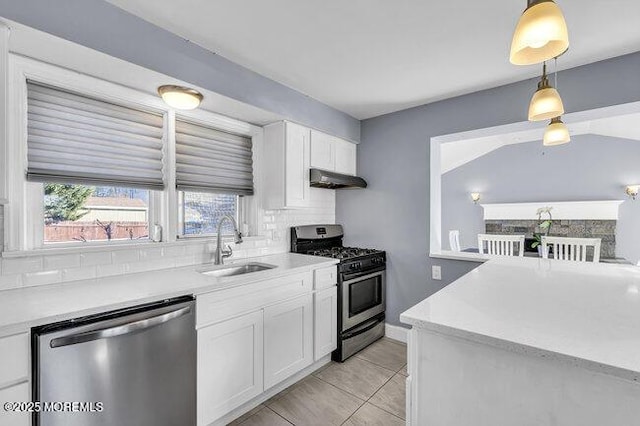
{"x": 228, "y": 252}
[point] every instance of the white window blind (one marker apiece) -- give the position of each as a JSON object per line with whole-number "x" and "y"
{"x": 72, "y": 138}
{"x": 210, "y": 160}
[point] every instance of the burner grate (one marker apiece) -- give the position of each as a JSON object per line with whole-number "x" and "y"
{"x": 343, "y": 252}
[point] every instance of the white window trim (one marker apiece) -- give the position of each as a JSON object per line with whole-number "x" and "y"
{"x": 25, "y": 210}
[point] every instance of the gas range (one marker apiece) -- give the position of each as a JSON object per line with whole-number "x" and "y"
{"x": 326, "y": 241}
{"x": 361, "y": 285}
{"x": 353, "y": 259}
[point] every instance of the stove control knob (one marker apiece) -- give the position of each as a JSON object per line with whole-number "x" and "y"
{"x": 355, "y": 265}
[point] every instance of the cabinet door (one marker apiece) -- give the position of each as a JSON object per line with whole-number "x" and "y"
{"x": 325, "y": 322}
{"x": 288, "y": 339}
{"x": 230, "y": 365}
{"x": 4, "y": 106}
{"x": 17, "y": 393}
{"x": 345, "y": 153}
{"x": 322, "y": 155}
{"x": 296, "y": 165}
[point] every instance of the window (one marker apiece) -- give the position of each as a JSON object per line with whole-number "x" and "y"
{"x": 200, "y": 213}
{"x": 106, "y": 162}
{"x": 213, "y": 168}
{"x": 81, "y": 213}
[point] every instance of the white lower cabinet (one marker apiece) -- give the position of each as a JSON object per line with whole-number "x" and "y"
{"x": 287, "y": 327}
{"x": 288, "y": 338}
{"x": 17, "y": 393}
{"x": 325, "y": 324}
{"x": 230, "y": 365}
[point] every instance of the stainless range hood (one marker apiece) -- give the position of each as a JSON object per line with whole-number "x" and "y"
{"x": 331, "y": 180}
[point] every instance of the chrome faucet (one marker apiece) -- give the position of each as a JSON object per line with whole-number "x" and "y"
{"x": 221, "y": 254}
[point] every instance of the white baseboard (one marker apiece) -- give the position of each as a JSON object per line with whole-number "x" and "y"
{"x": 396, "y": 332}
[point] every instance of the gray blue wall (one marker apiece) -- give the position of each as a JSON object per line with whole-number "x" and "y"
{"x": 589, "y": 168}
{"x": 104, "y": 27}
{"x": 393, "y": 212}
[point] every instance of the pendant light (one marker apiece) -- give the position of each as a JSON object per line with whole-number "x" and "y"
{"x": 179, "y": 97}
{"x": 541, "y": 34}
{"x": 546, "y": 102}
{"x": 556, "y": 133}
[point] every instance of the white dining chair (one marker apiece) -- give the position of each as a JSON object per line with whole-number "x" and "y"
{"x": 501, "y": 245}
{"x": 454, "y": 240}
{"x": 573, "y": 249}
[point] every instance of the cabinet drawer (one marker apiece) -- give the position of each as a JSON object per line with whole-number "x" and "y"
{"x": 325, "y": 277}
{"x": 15, "y": 358}
{"x": 224, "y": 304}
{"x": 17, "y": 393}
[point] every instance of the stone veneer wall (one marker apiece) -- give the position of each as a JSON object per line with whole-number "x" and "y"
{"x": 603, "y": 229}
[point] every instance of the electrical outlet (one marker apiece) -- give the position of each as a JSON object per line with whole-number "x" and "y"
{"x": 436, "y": 272}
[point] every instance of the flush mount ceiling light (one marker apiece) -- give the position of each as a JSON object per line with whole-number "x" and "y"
{"x": 179, "y": 97}
{"x": 556, "y": 133}
{"x": 541, "y": 34}
{"x": 546, "y": 102}
{"x": 475, "y": 197}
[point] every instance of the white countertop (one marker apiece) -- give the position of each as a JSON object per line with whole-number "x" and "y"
{"x": 23, "y": 308}
{"x": 587, "y": 314}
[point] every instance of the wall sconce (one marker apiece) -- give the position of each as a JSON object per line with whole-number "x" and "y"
{"x": 632, "y": 191}
{"x": 475, "y": 197}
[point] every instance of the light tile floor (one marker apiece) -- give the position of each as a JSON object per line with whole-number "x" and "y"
{"x": 367, "y": 389}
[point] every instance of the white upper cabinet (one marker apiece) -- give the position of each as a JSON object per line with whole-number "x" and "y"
{"x": 287, "y": 156}
{"x": 333, "y": 154}
{"x": 345, "y": 153}
{"x": 290, "y": 150}
{"x": 322, "y": 151}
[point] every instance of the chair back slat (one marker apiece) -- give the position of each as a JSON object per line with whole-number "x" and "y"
{"x": 571, "y": 249}
{"x": 501, "y": 245}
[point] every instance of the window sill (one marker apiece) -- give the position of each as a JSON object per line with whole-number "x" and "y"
{"x": 116, "y": 246}
{"x": 457, "y": 255}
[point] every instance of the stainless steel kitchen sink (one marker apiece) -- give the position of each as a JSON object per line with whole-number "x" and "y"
{"x": 231, "y": 270}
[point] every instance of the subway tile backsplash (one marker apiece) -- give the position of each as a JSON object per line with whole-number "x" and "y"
{"x": 56, "y": 268}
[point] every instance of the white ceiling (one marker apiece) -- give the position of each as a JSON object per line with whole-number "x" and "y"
{"x": 371, "y": 57}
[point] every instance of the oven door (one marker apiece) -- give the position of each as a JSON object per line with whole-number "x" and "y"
{"x": 363, "y": 298}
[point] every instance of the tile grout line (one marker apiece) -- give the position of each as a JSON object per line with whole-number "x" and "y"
{"x": 378, "y": 365}
{"x": 372, "y": 395}
{"x": 348, "y": 393}
{"x": 386, "y": 411}
{"x": 277, "y": 414}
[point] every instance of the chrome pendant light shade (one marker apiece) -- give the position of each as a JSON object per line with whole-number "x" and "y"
{"x": 546, "y": 102}
{"x": 556, "y": 133}
{"x": 541, "y": 34}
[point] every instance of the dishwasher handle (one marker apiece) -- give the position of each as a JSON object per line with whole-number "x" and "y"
{"x": 120, "y": 330}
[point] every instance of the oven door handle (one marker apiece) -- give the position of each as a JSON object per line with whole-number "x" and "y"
{"x": 364, "y": 277}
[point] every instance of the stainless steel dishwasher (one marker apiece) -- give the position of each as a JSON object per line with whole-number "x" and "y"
{"x": 139, "y": 363}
